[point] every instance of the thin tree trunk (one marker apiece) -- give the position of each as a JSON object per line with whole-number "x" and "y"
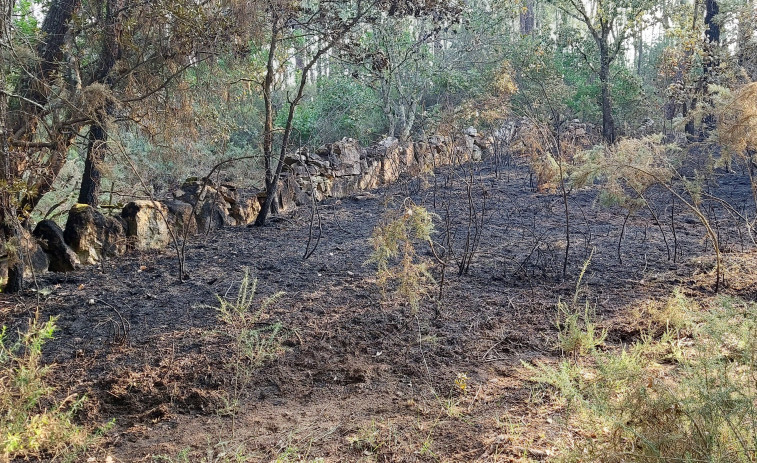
{"x": 268, "y": 103}
{"x": 639, "y": 42}
{"x": 608, "y": 124}
{"x": 272, "y": 187}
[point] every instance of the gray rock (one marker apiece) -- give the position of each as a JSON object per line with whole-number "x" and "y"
{"x": 180, "y": 216}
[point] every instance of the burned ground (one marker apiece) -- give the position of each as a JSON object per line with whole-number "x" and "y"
{"x": 361, "y": 377}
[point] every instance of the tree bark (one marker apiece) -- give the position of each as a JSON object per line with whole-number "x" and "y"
{"x": 712, "y": 31}
{"x": 527, "y": 18}
{"x": 89, "y": 193}
{"x": 270, "y": 185}
{"x": 8, "y": 220}
{"x": 97, "y": 146}
{"x": 608, "y": 123}
{"x": 639, "y": 43}
{"x": 35, "y": 88}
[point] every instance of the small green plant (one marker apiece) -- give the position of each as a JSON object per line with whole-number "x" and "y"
{"x": 255, "y": 340}
{"x": 33, "y": 423}
{"x": 292, "y": 454}
{"x": 395, "y": 255}
{"x": 578, "y": 333}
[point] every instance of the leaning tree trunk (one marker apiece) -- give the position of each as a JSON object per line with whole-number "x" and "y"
{"x": 34, "y": 88}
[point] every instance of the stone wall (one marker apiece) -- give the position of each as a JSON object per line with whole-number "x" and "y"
{"x": 335, "y": 170}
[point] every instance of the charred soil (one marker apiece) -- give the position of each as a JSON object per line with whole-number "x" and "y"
{"x": 359, "y": 376}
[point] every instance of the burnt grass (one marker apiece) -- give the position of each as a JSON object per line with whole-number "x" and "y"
{"x": 361, "y": 377}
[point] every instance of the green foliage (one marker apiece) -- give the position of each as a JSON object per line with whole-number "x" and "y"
{"x": 24, "y": 21}
{"x": 398, "y": 264}
{"x": 339, "y": 107}
{"x": 544, "y": 89}
{"x": 254, "y": 340}
{"x": 688, "y": 395}
{"x": 33, "y": 423}
{"x": 578, "y": 333}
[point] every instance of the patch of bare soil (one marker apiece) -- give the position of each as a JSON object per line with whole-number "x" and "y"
{"x": 361, "y": 377}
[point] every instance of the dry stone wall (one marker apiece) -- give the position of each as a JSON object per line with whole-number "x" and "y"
{"x": 335, "y": 170}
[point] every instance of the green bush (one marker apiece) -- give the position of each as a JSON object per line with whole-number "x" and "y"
{"x": 688, "y": 395}
{"x": 32, "y": 423}
{"x": 337, "y": 107}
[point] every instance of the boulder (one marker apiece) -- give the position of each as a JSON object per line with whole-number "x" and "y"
{"x": 290, "y": 193}
{"x": 146, "y": 224}
{"x": 192, "y": 191}
{"x": 345, "y": 157}
{"x": 50, "y": 237}
{"x": 213, "y": 213}
{"x": 92, "y": 235}
{"x": 246, "y": 210}
{"x": 390, "y": 167}
{"x": 229, "y": 193}
{"x": 344, "y": 186}
{"x": 212, "y": 204}
{"x": 320, "y": 186}
{"x": 35, "y": 259}
{"x": 180, "y": 216}
{"x": 370, "y": 177}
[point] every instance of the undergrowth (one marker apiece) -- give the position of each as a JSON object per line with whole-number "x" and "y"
{"x": 254, "y": 339}
{"x": 33, "y": 423}
{"x": 394, "y": 253}
{"x": 684, "y": 392}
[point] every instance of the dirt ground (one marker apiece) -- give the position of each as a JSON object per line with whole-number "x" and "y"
{"x": 361, "y": 377}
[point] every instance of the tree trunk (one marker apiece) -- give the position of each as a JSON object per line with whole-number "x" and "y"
{"x": 608, "y": 124}
{"x": 270, "y": 185}
{"x": 639, "y": 43}
{"x": 712, "y": 30}
{"x": 89, "y": 193}
{"x": 97, "y": 147}
{"x": 35, "y": 87}
{"x": 8, "y": 220}
{"x": 527, "y": 18}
